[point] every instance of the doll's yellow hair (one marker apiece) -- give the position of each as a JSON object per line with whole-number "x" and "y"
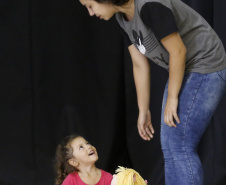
{"x": 125, "y": 177}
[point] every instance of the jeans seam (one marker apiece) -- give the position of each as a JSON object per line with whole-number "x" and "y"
{"x": 189, "y": 111}
{"x": 221, "y": 77}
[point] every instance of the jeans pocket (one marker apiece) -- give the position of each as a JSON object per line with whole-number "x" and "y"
{"x": 222, "y": 74}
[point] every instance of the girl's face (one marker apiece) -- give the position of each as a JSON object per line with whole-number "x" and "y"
{"x": 103, "y": 11}
{"x": 83, "y": 152}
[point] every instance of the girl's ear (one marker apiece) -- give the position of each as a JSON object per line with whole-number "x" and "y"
{"x": 73, "y": 162}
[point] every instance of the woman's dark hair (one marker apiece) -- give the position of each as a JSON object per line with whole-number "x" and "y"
{"x": 114, "y": 2}
{"x": 63, "y": 154}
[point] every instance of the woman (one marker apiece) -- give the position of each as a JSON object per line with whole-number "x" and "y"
{"x": 177, "y": 38}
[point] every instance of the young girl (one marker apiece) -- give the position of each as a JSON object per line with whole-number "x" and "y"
{"x": 177, "y": 38}
{"x": 75, "y": 165}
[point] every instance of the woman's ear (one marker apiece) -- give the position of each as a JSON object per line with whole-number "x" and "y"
{"x": 73, "y": 162}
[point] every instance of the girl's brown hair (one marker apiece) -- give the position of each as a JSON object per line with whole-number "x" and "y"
{"x": 63, "y": 154}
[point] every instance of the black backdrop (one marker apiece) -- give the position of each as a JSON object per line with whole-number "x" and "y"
{"x": 63, "y": 72}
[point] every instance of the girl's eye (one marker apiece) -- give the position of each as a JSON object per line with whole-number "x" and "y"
{"x": 88, "y": 143}
{"x": 81, "y": 147}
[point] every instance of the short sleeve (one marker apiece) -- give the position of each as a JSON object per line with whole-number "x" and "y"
{"x": 125, "y": 36}
{"x": 159, "y": 18}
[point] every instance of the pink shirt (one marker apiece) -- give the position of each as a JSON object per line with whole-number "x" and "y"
{"x": 74, "y": 179}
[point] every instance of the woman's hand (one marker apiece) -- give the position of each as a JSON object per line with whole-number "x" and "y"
{"x": 177, "y": 59}
{"x": 170, "y": 112}
{"x": 144, "y": 125}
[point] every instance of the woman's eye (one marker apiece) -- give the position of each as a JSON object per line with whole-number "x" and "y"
{"x": 88, "y": 143}
{"x": 81, "y": 147}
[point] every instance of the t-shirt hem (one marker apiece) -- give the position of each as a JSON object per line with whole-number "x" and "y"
{"x": 206, "y": 71}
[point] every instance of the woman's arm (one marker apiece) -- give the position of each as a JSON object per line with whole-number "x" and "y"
{"x": 141, "y": 72}
{"x": 177, "y": 56}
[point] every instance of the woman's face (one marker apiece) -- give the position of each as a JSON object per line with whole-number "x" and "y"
{"x": 103, "y": 11}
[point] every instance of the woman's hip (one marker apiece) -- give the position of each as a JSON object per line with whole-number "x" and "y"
{"x": 198, "y": 99}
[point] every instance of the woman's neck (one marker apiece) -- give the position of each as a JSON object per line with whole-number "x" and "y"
{"x": 128, "y": 9}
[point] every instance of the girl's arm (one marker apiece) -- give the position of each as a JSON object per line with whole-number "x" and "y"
{"x": 141, "y": 72}
{"x": 177, "y": 56}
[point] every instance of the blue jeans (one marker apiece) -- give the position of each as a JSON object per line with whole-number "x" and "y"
{"x": 198, "y": 99}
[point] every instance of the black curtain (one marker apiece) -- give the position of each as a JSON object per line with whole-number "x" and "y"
{"x": 62, "y": 72}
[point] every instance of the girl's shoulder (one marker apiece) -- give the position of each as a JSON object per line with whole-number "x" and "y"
{"x": 105, "y": 173}
{"x": 70, "y": 179}
{"x": 73, "y": 175}
{"x": 106, "y": 177}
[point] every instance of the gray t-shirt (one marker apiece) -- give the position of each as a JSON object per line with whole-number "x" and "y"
{"x": 156, "y": 19}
